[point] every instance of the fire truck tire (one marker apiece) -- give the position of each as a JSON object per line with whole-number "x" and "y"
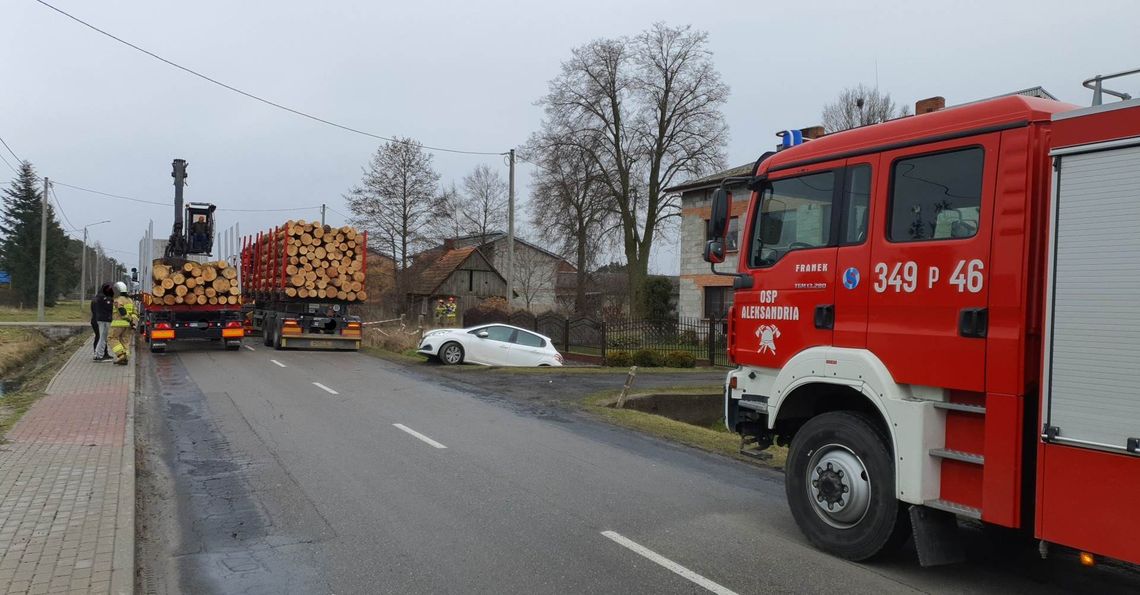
{"x": 840, "y": 485}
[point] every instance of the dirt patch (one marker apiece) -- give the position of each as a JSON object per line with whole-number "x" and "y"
{"x": 698, "y": 409}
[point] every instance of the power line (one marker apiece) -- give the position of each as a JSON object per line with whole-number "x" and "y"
{"x": 14, "y": 170}
{"x": 109, "y": 195}
{"x": 60, "y": 207}
{"x": 255, "y": 97}
{"x": 18, "y": 160}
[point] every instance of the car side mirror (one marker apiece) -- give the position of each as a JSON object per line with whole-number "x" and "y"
{"x": 714, "y": 251}
{"x": 482, "y": 334}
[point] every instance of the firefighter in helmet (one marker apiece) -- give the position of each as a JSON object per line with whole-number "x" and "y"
{"x": 440, "y": 311}
{"x": 123, "y": 319}
{"x": 450, "y": 310}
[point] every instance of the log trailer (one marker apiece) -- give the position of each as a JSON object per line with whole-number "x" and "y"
{"x": 939, "y": 315}
{"x": 302, "y": 284}
{"x": 191, "y": 241}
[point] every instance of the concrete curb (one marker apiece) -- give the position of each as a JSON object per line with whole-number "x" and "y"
{"x": 123, "y": 557}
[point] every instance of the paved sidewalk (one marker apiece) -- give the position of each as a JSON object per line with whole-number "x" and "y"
{"x": 67, "y": 485}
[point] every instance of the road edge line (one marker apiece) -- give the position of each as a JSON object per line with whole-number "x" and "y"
{"x": 668, "y": 564}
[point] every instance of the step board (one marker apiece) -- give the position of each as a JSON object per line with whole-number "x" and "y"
{"x": 954, "y": 507}
{"x": 958, "y": 455}
{"x": 979, "y": 409}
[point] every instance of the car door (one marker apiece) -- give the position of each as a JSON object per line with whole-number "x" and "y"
{"x": 492, "y": 350}
{"x": 792, "y": 253}
{"x": 528, "y": 349}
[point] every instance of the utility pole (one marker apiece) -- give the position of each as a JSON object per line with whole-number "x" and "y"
{"x": 322, "y": 214}
{"x": 83, "y": 272}
{"x": 43, "y": 251}
{"x": 511, "y": 232}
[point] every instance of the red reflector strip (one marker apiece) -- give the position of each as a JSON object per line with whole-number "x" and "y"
{"x": 732, "y": 382}
{"x": 832, "y": 362}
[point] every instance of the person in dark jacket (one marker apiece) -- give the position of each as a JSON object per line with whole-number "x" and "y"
{"x": 101, "y": 313}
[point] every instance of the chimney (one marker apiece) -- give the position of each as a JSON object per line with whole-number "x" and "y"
{"x": 930, "y": 104}
{"x": 449, "y": 244}
{"x": 812, "y": 132}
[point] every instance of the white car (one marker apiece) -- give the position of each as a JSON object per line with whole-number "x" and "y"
{"x": 490, "y": 345}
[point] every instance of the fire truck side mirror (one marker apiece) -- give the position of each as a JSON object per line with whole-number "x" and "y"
{"x": 714, "y": 251}
{"x": 719, "y": 214}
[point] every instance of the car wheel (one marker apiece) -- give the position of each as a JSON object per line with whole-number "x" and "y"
{"x": 840, "y": 485}
{"x": 451, "y": 353}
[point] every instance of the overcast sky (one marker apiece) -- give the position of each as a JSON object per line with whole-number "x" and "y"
{"x": 90, "y": 112}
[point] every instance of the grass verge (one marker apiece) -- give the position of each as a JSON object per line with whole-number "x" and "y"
{"x": 61, "y": 312}
{"x": 34, "y": 381}
{"x": 715, "y": 439}
{"x": 411, "y": 356}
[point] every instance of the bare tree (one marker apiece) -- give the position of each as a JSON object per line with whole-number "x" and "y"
{"x": 534, "y": 272}
{"x": 448, "y": 219}
{"x": 485, "y": 205}
{"x": 395, "y": 199}
{"x": 570, "y": 206}
{"x": 859, "y": 106}
{"x": 646, "y": 111}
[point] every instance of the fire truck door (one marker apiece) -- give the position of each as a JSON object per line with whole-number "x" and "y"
{"x": 791, "y": 252}
{"x": 929, "y": 277}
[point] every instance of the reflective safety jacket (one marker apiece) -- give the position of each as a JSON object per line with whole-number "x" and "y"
{"x": 123, "y": 314}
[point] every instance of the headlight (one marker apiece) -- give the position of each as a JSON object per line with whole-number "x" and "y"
{"x": 434, "y": 334}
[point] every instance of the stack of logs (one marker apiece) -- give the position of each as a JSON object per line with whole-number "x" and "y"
{"x": 322, "y": 262}
{"x": 193, "y": 283}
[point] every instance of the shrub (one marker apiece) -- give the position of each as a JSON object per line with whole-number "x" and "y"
{"x": 619, "y": 359}
{"x": 647, "y": 358}
{"x": 679, "y": 359}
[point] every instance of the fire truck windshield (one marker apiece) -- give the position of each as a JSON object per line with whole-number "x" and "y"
{"x": 795, "y": 213}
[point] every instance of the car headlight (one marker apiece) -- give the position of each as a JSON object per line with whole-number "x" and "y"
{"x": 434, "y": 334}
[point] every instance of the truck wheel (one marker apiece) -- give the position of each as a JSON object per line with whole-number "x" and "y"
{"x": 267, "y": 334}
{"x": 277, "y": 339}
{"x": 451, "y": 353}
{"x": 840, "y": 486}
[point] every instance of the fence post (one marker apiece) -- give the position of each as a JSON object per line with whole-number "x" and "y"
{"x": 712, "y": 342}
{"x": 566, "y": 340}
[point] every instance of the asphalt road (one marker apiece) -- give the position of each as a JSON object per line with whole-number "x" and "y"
{"x": 308, "y": 472}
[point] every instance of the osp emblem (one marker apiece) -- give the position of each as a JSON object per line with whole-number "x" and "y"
{"x": 851, "y": 278}
{"x": 767, "y": 333}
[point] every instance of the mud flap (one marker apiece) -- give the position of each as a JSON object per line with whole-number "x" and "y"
{"x": 936, "y": 537}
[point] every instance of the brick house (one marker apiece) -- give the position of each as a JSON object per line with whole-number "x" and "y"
{"x": 701, "y": 293}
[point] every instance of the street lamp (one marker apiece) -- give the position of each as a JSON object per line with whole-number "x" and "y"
{"x": 83, "y": 265}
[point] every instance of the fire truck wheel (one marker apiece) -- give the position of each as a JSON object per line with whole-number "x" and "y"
{"x": 840, "y": 485}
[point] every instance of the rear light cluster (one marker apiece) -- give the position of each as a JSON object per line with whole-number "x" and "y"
{"x": 233, "y": 330}
{"x": 162, "y": 330}
{"x": 352, "y": 329}
{"x": 290, "y": 327}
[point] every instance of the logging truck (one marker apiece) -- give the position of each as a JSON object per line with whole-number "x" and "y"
{"x": 939, "y": 315}
{"x": 301, "y": 281}
{"x": 184, "y": 294}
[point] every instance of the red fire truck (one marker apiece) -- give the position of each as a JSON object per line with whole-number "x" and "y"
{"x": 940, "y": 315}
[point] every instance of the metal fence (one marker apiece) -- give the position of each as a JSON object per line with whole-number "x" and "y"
{"x": 704, "y": 339}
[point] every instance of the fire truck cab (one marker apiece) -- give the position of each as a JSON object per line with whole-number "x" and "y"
{"x": 940, "y": 316}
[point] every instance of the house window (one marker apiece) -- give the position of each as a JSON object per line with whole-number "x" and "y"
{"x": 732, "y": 237}
{"x": 717, "y": 302}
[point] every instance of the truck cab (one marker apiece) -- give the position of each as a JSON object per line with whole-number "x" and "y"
{"x": 889, "y": 317}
